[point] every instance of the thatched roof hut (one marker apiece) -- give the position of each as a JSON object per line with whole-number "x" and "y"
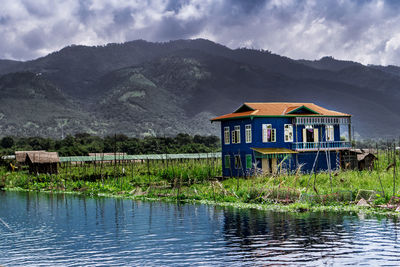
{"x": 43, "y": 157}
{"x": 42, "y": 162}
{"x": 20, "y": 156}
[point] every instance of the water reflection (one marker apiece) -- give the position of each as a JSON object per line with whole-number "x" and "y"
{"x": 312, "y": 238}
{"x": 56, "y": 229}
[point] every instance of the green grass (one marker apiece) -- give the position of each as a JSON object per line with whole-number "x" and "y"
{"x": 194, "y": 180}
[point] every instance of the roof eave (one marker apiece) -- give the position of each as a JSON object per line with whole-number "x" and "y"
{"x": 276, "y": 116}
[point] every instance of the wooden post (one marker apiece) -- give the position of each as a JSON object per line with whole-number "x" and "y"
{"x": 328, "y": 163}
{"x": 94, "y": 163}
{"x": 297, "y": 157}
{"x": 394, "y": 171}
{"x": 115, "y": 153}
{"x": 101, "y": 169}
{"x": 311, "y": 173}
{"x": 377, "y": 170}
{"x": 148, "y": 169}
{"x": 132, "y": 165}
{"x": 178, "y": 192}
{"x": 230, "y": 164}
{"x": 349, "y": 129}
{"x": 237, "y": 174}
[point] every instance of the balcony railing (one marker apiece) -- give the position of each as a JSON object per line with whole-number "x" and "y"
{"x": 333, "y": 145}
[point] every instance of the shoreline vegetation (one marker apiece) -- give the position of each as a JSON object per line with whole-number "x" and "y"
{"x": 199, "y": 181}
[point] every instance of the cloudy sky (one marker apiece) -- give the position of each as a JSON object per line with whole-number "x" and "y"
{"x": 366, "y": 31}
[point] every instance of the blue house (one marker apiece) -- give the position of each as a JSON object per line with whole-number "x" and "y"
{"x": 272, "y": 137}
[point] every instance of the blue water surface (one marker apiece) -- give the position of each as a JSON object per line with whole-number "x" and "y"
{"x": 42, "y": 229}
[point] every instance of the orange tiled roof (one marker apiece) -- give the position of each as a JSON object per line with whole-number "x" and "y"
{"x": 278, "y": 109}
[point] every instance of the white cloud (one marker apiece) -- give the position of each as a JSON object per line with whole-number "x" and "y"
{"x": 365, "y": 31}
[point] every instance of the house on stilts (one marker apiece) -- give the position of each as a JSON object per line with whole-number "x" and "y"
{"x": 272, "y": 136}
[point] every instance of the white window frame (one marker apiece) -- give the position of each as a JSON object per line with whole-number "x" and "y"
{"x": 236, "y": 135}
{"x": 265, "y": 128}
{"x": 248, "y": 135}
{"x": 237, "y": 129}
{"x": 315, "y": 133}
{"x": 227, "y": 135}
{"x": 288, "y": 132}
{"x": 330, "y": 133}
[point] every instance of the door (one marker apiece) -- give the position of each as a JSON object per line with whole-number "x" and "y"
{"x": 265, "y": 166}
{"x": 269, "y": 166}
{"x": 273, "y": 165}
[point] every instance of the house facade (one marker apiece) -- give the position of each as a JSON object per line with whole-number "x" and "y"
{"x": 271, "y": 137}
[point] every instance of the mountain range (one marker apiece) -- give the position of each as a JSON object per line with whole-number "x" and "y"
{"x": 142, "y": 88}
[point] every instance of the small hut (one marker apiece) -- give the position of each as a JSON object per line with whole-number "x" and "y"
{"x": 43, "y": 162}
{"x": 361, "y": 159}
{"x": 20, "y": 156}
{"x": 348, "y": 159}
{"x": 366, "y": 161}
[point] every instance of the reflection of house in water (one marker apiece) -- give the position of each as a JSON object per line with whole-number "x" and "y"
{"x": 269, "y": 234}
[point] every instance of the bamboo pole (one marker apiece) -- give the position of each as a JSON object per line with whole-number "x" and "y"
{"x": 312, "y": 170}
{"x": 378, "y": 172}
{"x": 394, "y": 171}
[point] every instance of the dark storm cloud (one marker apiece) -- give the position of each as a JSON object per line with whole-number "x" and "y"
{"x": 247, "y": 7}
{"x": 365, "y": 31}
{"x": 4, "y": 20}
{"x": 123, "y": 16}
{"x": 34, "y": 39}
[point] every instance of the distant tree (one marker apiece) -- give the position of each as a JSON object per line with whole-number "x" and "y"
{"x": 7, "y": 142}
{"x": 183, "y": 139}
{"x": 81, "y": 144}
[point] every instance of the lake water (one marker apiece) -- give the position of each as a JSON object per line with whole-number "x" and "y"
{"x": 57, "y": 230}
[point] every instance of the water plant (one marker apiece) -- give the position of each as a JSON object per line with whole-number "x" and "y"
{"x": 200, "y": 180}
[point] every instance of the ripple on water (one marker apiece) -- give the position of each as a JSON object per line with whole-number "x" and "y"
{"x": 88, "y": 231}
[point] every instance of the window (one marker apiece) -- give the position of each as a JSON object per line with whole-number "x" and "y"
{"x": 288, "y": 132}
{"x": 248, "y": 133}
{"x": 236, "y": 135}
{"x": 238, "y": 162}
{"x": 268, "y": 134}
{"x": 226, "y": 135}
{"x": 329, "y": 132}
{"x": 249, "y": 161}
{"x": 310, "y": 134}
{"x": 227, "y": 162}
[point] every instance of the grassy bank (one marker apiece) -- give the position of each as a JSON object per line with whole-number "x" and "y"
{"x": 194, "y": 180}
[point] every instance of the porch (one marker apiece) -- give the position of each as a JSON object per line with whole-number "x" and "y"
{"x": 314, "y": 146}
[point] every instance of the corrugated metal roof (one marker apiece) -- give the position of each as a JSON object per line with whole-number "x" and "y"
{"x": 107, "y": 154}
{"x": 278, "y": 109}
{"x": 141, "y": 157}
{"x": 273, "y": 150}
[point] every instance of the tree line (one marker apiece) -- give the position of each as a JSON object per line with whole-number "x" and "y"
{"x": 81, "y": 144}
